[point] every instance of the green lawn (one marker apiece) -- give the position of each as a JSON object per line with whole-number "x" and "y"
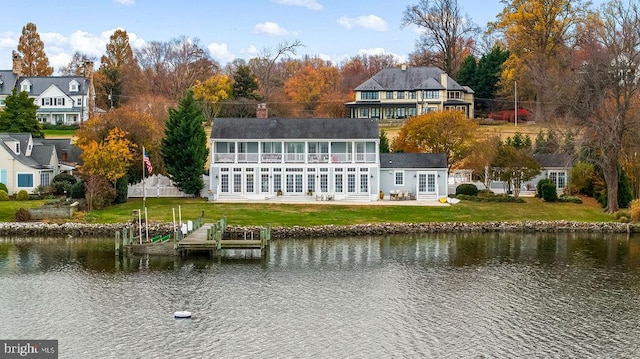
{"x": 161, "y": 210}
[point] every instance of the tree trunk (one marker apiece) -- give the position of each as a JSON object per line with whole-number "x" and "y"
{"x": 610, "y": 171}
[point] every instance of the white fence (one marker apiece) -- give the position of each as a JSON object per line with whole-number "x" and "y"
{"x": 160, "y": 186}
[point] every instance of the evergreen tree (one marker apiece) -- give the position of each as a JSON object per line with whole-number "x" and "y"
{"x": 19, "y": 115}
{"x": 488, "y": 73}
{"x": 245, "y": 83}
{"x": 384, "y": 142}
{"x": 467, "y": 72}
{"x": 34, "y": 59}
{"x": 184, "y": 148}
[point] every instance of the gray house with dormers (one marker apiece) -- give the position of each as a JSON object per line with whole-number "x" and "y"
{"x": 67, "y": 100}
{"x": 403, "y": 92}
{"x": 328, "y": 159}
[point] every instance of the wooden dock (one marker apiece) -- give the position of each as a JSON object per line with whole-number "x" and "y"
{"x": 212, "y": 237}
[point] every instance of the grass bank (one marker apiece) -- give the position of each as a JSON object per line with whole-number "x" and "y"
{"x": 247, "y": 214}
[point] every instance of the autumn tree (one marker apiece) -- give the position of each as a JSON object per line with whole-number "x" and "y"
{"x": 108, "y": 159}
{"x": 357, "y": 69}
{"x": 514, "y": 164}
{"x": 34, "y": 60}
{"x": 210, "y": 93}
{"x": 538, "y": 34}
{"x": 445, "y": 132}
{"x": 139, "y": 127}
{"x": 77, "y": 64}
{"x": 263, "y": 65}
{"x": 606, "y": 100}
{"x": 118, "y": 75}
{"x": 481, "y": 158}
{"x": 173, "y": 67}
{"x": 184, "y": 148}
{"x": 446, "y": 31}
{"x": 19, "y": 114}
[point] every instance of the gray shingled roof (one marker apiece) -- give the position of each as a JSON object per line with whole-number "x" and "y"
{"x": 551, "y": 160}
{"x": 23, "y": 139}
{"x": 39, "y": 84}
{"x": 8, "y": 81}
{"x": 287, "y": 128}
{"x": 413, "y": 160}
{"x": 63, "y": 147}
{"x": 412, "y": 78}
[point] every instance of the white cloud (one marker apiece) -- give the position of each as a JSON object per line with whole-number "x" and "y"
{"x": 87, "y": 43}
{"x": 53, "y": 39}
{"x": 124, "y": 2}
{"x": 381, "y": 51}
{"x": 250, "y": 51}
{"x": 220, "y": 52}
{"x": 8, "y": 40}
{"x": 371, "y": 22}
{"x": 309, "y": 4}
{"x": 58, "y": 60}
{"x": 270, "y": 28}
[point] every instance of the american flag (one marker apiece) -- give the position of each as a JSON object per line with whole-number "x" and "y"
{"x": 147, "y": 162}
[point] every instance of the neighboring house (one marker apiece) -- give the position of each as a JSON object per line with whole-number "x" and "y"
{"x": 554, "y": 166}
{"x": 398, "y": 93}
{"x": 67, "y": 100}
{"x": 336, "y": 159}
{"x": 27, "y": 163}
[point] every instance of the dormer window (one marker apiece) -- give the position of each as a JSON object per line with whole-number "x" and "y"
{"x": 25, "y": 86}
{"x": 73, "y": 86}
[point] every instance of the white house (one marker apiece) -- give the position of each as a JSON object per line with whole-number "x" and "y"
{"x": 335, "y": 159}
{"x": 67, "y": 100}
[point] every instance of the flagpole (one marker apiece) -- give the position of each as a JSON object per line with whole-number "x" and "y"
{"x": 144, "y": 193}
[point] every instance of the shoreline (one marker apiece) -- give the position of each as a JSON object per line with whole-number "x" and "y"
{"x": 38, "y": 229}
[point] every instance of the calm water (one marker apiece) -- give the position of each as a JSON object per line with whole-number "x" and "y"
{"x": 427, "y": 296}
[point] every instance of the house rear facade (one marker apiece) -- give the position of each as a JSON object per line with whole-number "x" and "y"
{"x": 337, "y": 159}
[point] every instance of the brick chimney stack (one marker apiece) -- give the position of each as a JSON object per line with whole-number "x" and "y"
{"x": 17, "y": 63}
{"x": 261, "y": 112}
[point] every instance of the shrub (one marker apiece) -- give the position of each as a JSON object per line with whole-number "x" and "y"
{"x": 77, "y": 190}
{"x": 22, "y": 215}
{"x": 549, "y": 192}
{"x": 496, "y": 198}
{"x": 570, "y": 199}
{"x": 3, "y": 187}
{"x": 539, "y": 186}
{"x": 634, "y": 210}
{"x": 468, "y": 189}
{"x": 62, "y": 183}
{"x": 121, "y": 190}
{"x": 4, "y": 196}
{"x": 22, "y": 195}
{"x": 582, "y": 175}
{"x": 485, "y": 193}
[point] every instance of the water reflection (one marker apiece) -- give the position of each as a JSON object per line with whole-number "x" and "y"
{"x": 433, "y": 296}
{"x": 20, "y": 255}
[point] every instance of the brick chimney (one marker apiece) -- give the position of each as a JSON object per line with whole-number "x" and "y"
{"x": 17, "y": 64}
{"x": 444, "y": 80}
{"x": 261, "y": 111}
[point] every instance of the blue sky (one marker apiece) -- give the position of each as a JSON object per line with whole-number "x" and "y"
{"x": 331, "y": 29}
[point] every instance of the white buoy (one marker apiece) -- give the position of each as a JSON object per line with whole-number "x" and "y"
{"x": 182, "y": 314}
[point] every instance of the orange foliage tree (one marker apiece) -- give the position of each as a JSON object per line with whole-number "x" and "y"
{"x": 445, "y": 132}
{"x": 140, "y": 129}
